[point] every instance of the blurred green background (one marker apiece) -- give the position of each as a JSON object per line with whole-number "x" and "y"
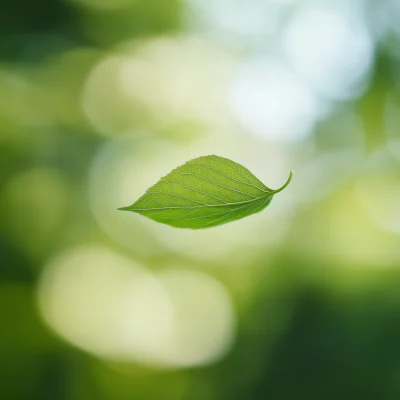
{"x": 99, "y": 99}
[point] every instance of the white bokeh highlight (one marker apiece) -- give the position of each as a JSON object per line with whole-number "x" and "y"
{"x": 205, "y": 321}
{"x": 250, "y": 22}
{"x": 158, "y": 84}
{"x": 272, "y": 102}
{"x": 116, "y": 309}
{"x": 331, "y": 48}
{"x": 106, "y": 304}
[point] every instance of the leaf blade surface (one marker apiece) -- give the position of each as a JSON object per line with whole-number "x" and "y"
{"x": 204, "y": 192}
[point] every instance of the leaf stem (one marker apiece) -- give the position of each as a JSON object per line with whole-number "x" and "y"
{"x": 285, "y": 185}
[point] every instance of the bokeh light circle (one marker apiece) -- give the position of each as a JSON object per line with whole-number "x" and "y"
{"x": 116, "y": 309}
{"x": 204, "y": 317}
{"x": 158, "y": 84}
{"x": 271, "y": 101}
{"x": 106, "y": 304}
{"x": 331, "y": 49}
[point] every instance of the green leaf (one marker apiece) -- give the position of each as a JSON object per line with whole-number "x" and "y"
{"x": 205, "y": 192}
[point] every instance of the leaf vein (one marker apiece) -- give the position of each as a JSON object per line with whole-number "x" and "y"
{"x": 217, "y": 184}
{"x": 178, "y": 195}
{"x": 195, "y": 190}
{"x": 229, "y": 177}
{"x": 245, "y": 177}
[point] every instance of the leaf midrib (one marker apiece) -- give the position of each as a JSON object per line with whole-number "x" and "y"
{"x": 201, "y": 206}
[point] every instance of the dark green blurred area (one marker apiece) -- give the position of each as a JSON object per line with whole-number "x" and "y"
{"x": 314, "y": 288}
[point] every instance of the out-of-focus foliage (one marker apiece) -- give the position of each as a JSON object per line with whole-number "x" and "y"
{"x": 98, "y": 99}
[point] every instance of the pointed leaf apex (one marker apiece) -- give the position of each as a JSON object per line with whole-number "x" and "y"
{"x": 125, "y": 208}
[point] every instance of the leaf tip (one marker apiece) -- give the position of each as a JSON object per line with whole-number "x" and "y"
{"x": 124, "y": 208}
